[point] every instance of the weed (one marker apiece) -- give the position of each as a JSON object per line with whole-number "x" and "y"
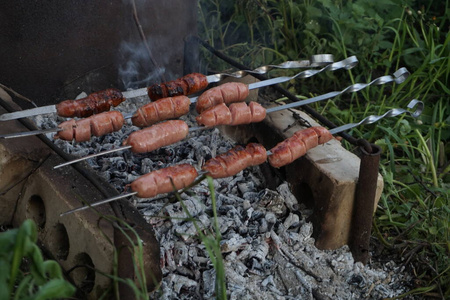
{"x": 43, "y": 280}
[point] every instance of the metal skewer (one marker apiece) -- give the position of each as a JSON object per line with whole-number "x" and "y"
{"x": 399, "y": 76}
{"x": 314, "y": 61}
{"x": 113, "y": 150}
{"x": 347, "y": 64}
{"x": 418, "y": 105}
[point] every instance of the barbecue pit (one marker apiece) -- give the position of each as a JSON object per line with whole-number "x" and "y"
{"x": 322, "y": 193}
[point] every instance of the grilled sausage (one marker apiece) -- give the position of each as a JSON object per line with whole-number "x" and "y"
{"x": 160, "y": 181}
{"x": 226, "y": 93}
{"x": 186, "y": 85}
{"x": 237, "y": 114}
{"x": 157, "y": 136}
{"x": 235, "y": 160}
{"x": 297, "y": 145}
{"x": 161, "y": 110}
{"x": 98, "y": 125}
{"x": 323, "y": 133}
{"x": 216, "y": 115}
{"x": 93, "y": 104}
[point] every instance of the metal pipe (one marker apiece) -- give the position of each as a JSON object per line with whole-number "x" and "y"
{"x": 363, "y": 206}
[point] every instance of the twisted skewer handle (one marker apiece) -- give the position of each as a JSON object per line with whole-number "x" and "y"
{"x": 314, "y": 61}
{"x": 347, "y": 64}
{"x": 398, "y": 77}
{"x": 418, "y": 105}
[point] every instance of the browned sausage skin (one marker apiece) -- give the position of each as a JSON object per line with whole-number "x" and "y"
{"x": 225, "y": 93}
{"x": 323, "y": 133}
{"x": 160, "y": 181}
{"x": 157, "y": 136}
{"x": 237, "y": 114}
{"x": 161, "y": 110}
{"x": 93, "y": 104}
{"x": 186, "y": 85}
{"x": 297, "y": 145}
{"x": 216, "y": 115}
{"x": 235, "y": 160}
{"x": 98, "y": 125}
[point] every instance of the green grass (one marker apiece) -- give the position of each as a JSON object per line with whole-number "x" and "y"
{"x": 412, "y": 219}
{"x": 24, "y": 272}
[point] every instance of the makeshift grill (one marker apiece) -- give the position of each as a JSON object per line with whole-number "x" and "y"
{"x": 241, "y": 133}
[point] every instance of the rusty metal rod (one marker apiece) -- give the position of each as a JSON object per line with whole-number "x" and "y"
{"x": 363, "y": 206}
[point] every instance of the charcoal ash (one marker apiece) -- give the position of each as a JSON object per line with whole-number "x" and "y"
{"x": 266, "y": 239}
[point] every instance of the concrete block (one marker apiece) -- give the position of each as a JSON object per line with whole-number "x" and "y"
{"x": 81, "y": 242}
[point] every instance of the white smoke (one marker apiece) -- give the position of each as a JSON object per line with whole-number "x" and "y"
{"x": 136, "y": 69}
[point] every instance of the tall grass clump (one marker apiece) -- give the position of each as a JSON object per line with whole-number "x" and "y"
{"x": 411, "y": 224}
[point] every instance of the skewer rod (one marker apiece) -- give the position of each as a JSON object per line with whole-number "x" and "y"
{"x": 98, "y": 203}
{"x": 91, "y": 156}
{"x": 368, "y": 120}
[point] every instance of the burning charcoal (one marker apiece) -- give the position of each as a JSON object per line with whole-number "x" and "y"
{"x": 261, "y": 249}
{"x": 246, "y": 187}
{"x": 269, "y": 283}
{"x": 182, "y": 270}
{"x": 243, "y": 230}
{"x": 305, "y": 286}
{"x": 224, "y": 224}
{"x": 263, "y": 226}
{"x": 252, "y": 197}
{"x": 188, "y": 229}
{"x": 178, "y": 214}
{"x": 182, "y": 282}
{"x": 236, "y": 271}
{"x": 357, "y": 280}
{"x": 306, "y": 231}
{"x": 167, "y": 258}
{"x": 292, "y": 220}
{"x": 289, "y": 198}
{"x": 252, "y": 230}
{"x": 273, "y": 202}
{"x": 270, "y": 218}
{"x": 249, "y": 213}
{"x": 246, "y": 204}
{"x": 209, "y": 278}
{"x": 234, "y": 243}
{"x": 275, "y": 239}
{"x": 256, "y": 267}
{"x": 180, "y": 253}
{"x": 256, "y": 215}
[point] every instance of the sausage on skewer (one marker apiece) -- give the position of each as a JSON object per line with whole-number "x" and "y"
{"x": 186, "y": 85}
{"x": 161, "y": 110}
{"x": 224, "y": 165}
{"x": 225, "y": 93}
{"x": 297, "y": 145}
{"x": 92, "y": 104}
{"x": 98, "y": 125}
{"x": 235, "y": 160}
{"x": 157, "y": 136}
{"x": 160, "y": 181}
{"x": 236, "y": 114}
